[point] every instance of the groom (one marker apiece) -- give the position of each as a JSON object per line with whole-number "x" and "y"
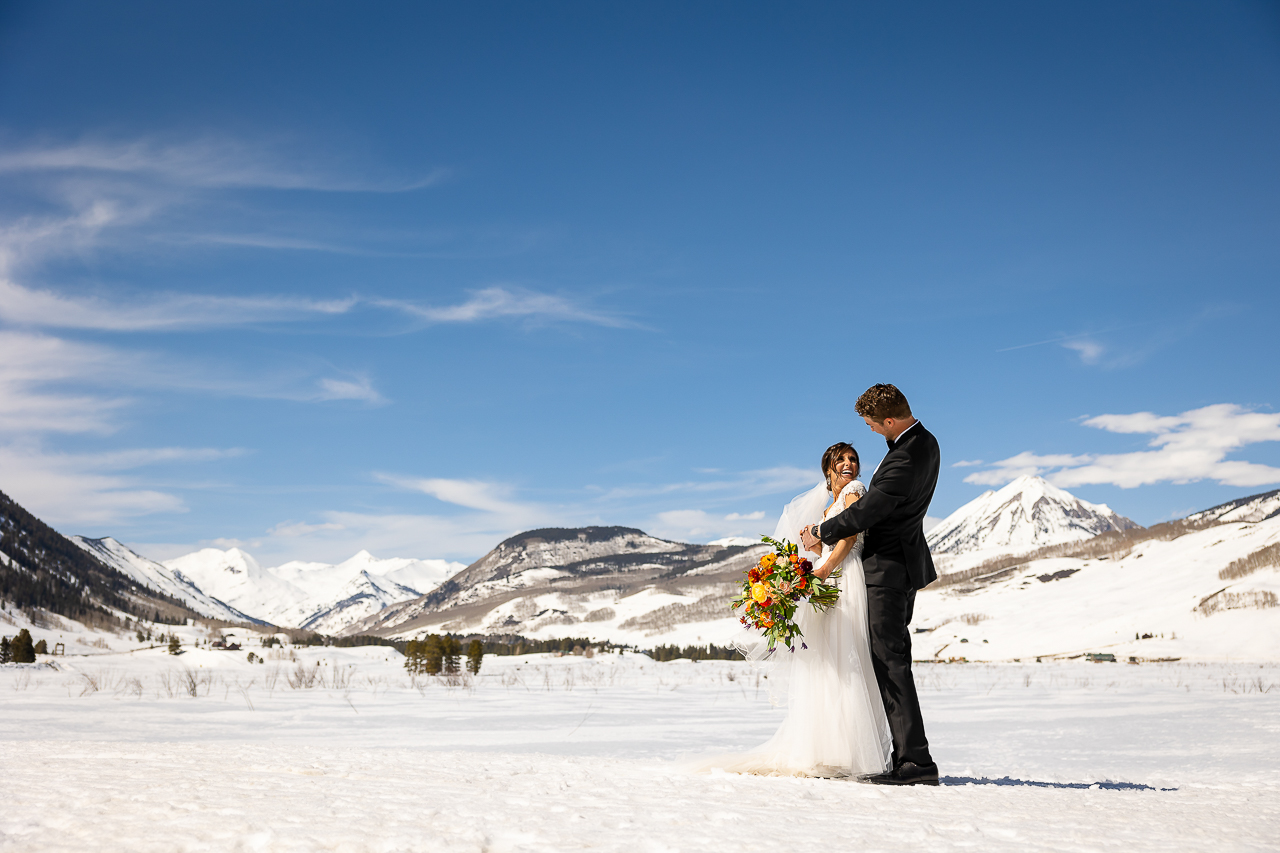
{"x": 896, "y": 562}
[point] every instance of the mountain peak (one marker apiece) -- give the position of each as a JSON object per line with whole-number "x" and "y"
{"x": 1027, "y": 513}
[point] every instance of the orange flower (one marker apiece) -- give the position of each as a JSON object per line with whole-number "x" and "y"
{"x": 802, "y": 583}
{"x": 753, "y": 576}
{"x": 795, "y": 559}
{"x": 767, "y": 561}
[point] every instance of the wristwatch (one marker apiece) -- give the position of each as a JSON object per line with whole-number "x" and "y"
{"x": 813, "y": 531}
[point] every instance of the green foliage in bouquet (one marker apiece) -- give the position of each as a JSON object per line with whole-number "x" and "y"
{"x": 775, "y": 587}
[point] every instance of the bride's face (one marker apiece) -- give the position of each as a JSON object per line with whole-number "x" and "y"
{"x": 843, "y": 471}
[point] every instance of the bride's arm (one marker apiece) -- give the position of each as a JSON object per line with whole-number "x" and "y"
{"x": 841, "y": 549}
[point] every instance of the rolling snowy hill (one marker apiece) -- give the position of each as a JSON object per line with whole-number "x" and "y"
{"x": 1028, "y": 513}
{"x": 1253, "y": 508}
{"x": 1211, "y": 594}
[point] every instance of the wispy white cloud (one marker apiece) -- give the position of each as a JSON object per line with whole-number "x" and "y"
{"x": 204, "y": 163}
{"x": 345, "y": 389}
{"x": 291, "y": 529}
{"x": 472, "y": 494}
{"x": 966, "y": 463}
{"x": 171, "y": 312}
{"x": 699, "y": 525}
{"x": 1188, "y": 447}
{"x": 1023, "y": 465}
{"x": 30, "y": 363}
{"x": 42, "y": 382}
{"x": 92, "y": 488}
{"x": 782, "y": 479}
{"x": 154, "y": 312}
{"x": 505, "y": 302}
{"x": 1090, "y": 351}
{"x": 750, "y": 516}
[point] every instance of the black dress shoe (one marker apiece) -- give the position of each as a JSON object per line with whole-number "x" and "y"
{"x": 907, "y": 773}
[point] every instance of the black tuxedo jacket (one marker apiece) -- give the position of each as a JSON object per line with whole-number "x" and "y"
{"x": 892, "y": 514}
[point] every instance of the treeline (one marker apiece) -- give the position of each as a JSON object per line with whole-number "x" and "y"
{"x": 511, "y": 644}
{"x": 707, "y": 652}
{"x": 367, "y": 640}
{"x": 50, "y": 572}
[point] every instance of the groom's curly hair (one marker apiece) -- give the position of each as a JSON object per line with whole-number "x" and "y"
{"x": 882, "y": 401}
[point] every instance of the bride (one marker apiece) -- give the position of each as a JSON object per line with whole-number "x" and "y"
{"x": 835, "y": 724}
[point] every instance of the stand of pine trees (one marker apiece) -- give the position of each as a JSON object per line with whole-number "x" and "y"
{"x": 707, "y": 652}
{"x": 437, "y": 654}
{"x": 20, "y": 649}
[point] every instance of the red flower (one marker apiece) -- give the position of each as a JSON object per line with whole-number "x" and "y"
{"x": 753, "y": 576}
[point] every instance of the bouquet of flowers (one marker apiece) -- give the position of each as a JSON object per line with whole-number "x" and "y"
{"x": 774, "y": 588}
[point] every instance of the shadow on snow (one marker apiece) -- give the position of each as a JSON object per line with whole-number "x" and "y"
{"x": 1007, "y": 781}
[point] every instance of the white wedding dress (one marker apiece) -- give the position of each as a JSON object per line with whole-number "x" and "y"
{"x": 835, "y": 724}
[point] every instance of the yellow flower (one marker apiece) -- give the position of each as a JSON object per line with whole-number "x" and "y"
{"x": 760, "y": 593}
{"x": 768, "y": 560}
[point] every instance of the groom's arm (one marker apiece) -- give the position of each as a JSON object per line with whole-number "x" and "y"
{"x": 892, "y": 487}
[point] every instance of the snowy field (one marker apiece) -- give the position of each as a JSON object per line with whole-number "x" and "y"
{"x": 113, "y": 752}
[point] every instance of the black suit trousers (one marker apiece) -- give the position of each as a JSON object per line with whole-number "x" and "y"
{"x": 889, "y": 613}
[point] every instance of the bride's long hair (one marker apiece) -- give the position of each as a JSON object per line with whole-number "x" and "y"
{"x": 834, "y": 451}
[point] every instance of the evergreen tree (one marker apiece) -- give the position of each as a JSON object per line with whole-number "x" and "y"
{"x": 21, "y": 649}
{"x": 475, "y": 654}
{"x": 175, "y": 645}
{"x": 413, "y": 657}
{"x": 452, "y": 650}
{"x": 433, "y": 654}
{"x": 5, "y": 655}
{"x": 42, "y": 648}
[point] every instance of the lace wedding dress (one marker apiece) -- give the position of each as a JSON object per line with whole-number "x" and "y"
{"x": 835, "y": 724}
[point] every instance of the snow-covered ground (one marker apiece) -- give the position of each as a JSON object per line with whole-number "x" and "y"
{"x": 111, "y": 751}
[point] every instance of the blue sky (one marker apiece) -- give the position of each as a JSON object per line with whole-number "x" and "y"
{"x": 311, "y": 277}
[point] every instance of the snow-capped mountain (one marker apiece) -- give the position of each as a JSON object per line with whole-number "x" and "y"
{"x": 159, "y": 577}
{"x": 314, "y": 596}
{"x": 1028, "y": 513}
{"x": 324, "y": 581}
{"x": 235, "y": 577}
{"x": 607, "y": 582}
{"x": 360, "y": 597}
